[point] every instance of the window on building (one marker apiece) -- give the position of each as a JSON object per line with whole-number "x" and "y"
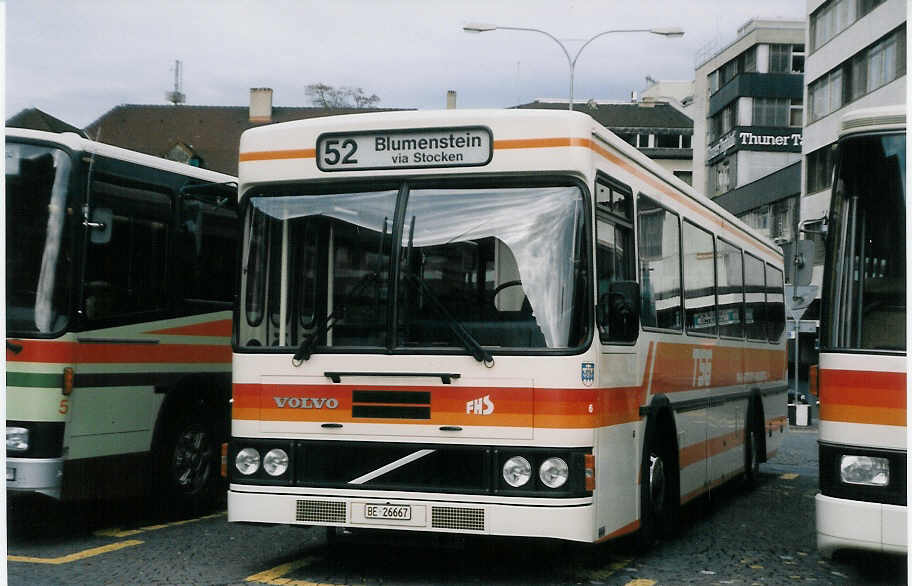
{"x": 750, "y": 59}
{"x": 722, "y": 176}
{"x": 668, "y": 141}
{"x": 866, "y": 6}
{"x": 780, "y": 58}
{"x": 685, "y": 176}
{"x": 796, "y": 112}
{"x": 771, "y": 111}
{"x": 628, "y": 137}
{"x": 714, "y": 82}
{"x": 829, "y": 20}
{"x": 820, "y": 169}
{"x": 797, "y": 58}
{"x": 686, "y": 141}
{"x": 867, "y": 71}
{"x": 643, "y": 141}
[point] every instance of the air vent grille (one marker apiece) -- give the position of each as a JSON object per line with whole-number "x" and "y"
{"x": 391, "y": 404}
{"x": 320, "y": 511}
{"x": 457, "y": 518}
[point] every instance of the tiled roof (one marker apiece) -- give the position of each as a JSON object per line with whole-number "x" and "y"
{"x": 615, "y": 116}
{"x": 35, "y": 119}
{"x": 213, "y": 132}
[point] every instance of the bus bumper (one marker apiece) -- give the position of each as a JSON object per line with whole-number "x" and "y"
{"x": 848, "y": 524}
{"x": 37, "y": 475}
{"x": 573, "y": 523}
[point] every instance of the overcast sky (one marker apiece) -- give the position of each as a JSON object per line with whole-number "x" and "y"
{"x": 78, "y": 59}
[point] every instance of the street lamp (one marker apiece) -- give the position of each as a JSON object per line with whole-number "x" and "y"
{"x": 476, "y": 27}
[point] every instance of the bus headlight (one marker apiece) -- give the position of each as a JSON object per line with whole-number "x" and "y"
{"x": 247, "y": 461}
{"x": 867, "y": 470}
{"x": 275, "y": 462}
{"x": 554, "y": 472}
{"x": 17, "y": 439}
{"x": 517, "y": 471}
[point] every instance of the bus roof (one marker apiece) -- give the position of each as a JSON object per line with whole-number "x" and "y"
{"x": 74, "y": 142}
{"x": 299, "y": 138}
{"x": 873, "y": 119}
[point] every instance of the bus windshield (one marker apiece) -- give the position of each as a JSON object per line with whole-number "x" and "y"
{"x": 866, "y": 247}
{"x": 504, "y": 265}
{"x": 37, "y": 252}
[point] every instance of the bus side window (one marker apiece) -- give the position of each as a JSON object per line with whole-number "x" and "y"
{"x": 205, "y": 250}
{"x": 755, "y": 319}
{"x": 660, "y": 265}
{"x": 127, "y": 273}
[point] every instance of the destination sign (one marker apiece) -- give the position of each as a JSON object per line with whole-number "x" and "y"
{"x": 404, "y": 149}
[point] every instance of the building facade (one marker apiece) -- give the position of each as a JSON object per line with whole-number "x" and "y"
{"x": 856, "y": 59}
{"x": 748, "y": 116}
{"x": 659, "y": 128}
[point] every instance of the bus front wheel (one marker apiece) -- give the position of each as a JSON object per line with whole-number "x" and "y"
{"x": 659, "y": 493}
{"x": 188, "y": 469}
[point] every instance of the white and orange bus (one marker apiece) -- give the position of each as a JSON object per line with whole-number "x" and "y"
{"x": 503, "y": 322}
{"x": 862, "y": 373}
{"x": 119, "y": 281}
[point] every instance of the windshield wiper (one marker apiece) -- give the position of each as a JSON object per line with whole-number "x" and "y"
{"x": 305, "y": 350}
{"x": 468, "y": 341}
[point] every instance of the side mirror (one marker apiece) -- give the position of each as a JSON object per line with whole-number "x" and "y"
{"x": 100, "y": 225}
{"x": 618, "y": 312}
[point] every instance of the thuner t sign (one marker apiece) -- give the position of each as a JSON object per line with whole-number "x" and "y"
{"x": 406, "y": 149}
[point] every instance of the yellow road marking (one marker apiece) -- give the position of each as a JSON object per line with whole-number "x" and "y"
{"x": 274, "y": 575}
{"x": 604, "y": 573}
{"x": 75, "y": 556}
{"x": 640, "y": 582}
{"x": 131, "y": 532}
{"x": 789, "y": 476}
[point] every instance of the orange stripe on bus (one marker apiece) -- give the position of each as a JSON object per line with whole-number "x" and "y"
{"x": 626, "y": 529}
{"x": 220, "y": 328}
{"x": 697, "y": 452}
{"x": 537, "y": 143}
{"x": 114, "y": 353}
{"x": 863, "y": 388}
{"x": 277, "y": 155}
{"x": 862, "y": 414}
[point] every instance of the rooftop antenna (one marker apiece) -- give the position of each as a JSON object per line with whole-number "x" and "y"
{"x": 176, "y": 97}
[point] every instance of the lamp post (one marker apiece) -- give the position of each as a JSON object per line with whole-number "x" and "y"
{"x": 571, "y": 61}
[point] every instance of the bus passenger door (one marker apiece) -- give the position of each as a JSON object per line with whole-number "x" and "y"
{"x": 119, "y": 360}
{"x": 619, "y": 368}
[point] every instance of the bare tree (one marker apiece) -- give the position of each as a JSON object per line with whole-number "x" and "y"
{"x": 327, "y": 96}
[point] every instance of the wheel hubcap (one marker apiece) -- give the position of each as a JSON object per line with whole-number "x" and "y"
{"x": 656, "y": 482}
{"x": 192, "y": 458}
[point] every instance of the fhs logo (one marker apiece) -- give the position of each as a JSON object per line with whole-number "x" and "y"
{"x": 306, "y": 402}
{"x": 481, "y": 406}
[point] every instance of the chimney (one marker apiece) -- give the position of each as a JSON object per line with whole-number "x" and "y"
{"x": 451, "y": 99}
{"x": 260, "y": 104}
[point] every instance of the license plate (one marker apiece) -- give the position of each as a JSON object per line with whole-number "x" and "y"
{"x": 394, "y": 512}
{"x": 10, "y": 474}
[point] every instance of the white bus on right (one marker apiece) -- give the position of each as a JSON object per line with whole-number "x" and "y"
{"x": 862, "y": 372}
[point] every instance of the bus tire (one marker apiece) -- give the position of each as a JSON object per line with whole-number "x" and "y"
{"x": 753, "y": 438}
{"x": 659, "y": 488}
{"x": 188, "y": 464}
